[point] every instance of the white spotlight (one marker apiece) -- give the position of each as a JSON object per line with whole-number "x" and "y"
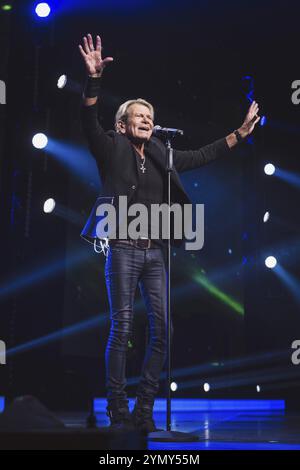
{"x": 266, "y": 216}
{"x": 206, "y": 387}
{"x": 257, "y": 388}
{"x": 42, "y": 10}
{"x": 269, "y": 169}
{"x": 49, "y": 206}
{"x": 270, "y": 262}
{"x": 61, "y": 82}
{"x": 40, "y": 141}
{"x": 173, "y": 386}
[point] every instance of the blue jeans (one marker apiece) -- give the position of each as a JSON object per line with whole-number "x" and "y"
{"x": 126, "y": 267}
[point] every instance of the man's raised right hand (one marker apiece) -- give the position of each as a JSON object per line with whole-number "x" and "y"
{"x": 92, "y": 56}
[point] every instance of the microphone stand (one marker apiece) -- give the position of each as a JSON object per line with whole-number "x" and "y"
{"x": 169, "y": 435}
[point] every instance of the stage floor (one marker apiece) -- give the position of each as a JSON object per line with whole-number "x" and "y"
{"x": 220, "y": 430}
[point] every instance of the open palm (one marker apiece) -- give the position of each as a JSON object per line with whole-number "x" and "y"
{"x": 92, "y": 55}
{"x": 251, "y": 118}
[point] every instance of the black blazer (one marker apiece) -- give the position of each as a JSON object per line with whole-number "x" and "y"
{"x": 117, "y": 165}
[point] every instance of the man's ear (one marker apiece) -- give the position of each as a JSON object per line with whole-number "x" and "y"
{"x": 120, "y": 127}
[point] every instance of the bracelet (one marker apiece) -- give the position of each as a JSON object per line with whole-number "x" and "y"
{"x": 239, "y": 138}
{"x": 92, "y": 87}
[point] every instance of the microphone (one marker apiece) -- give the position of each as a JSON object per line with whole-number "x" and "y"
{"x": 167, "y": 131}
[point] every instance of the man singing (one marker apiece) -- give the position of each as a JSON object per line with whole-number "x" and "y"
{"x": 132, "y": 163}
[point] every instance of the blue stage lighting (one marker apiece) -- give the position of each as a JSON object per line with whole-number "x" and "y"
{"x": 291, "y": 282}
{"x": 40, "y": 141}
{"x": 191, "y": 404}
{"x": 42, "y": 10}
{"x": 249, "y": 85}
{"x": 77, "y": 328}
{"x": 269, "y": 169}
{"x": 263, "y": 121}
{"x": 290, "y": 177}
{"x": 77, "y": 160}
{"x": 47, "y": 269}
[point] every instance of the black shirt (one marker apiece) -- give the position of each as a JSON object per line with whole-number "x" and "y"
{"x": 150, "y": 189}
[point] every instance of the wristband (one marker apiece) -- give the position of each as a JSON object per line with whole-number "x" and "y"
{"x": 92, "y": 87}
{"x": 239, "y": 138}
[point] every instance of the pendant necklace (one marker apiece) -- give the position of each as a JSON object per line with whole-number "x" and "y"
{"x": 142, "y": 167}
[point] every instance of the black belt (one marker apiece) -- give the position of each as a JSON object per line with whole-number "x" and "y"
{"x": 144, "y": 243}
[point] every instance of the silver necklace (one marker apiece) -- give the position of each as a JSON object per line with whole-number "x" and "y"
{"x": 142, "y": 167}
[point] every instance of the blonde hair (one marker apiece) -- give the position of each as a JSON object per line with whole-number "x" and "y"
{"x": 122, "y": 113}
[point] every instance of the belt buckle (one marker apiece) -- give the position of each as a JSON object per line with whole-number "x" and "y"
{"x": 148, "y": 244}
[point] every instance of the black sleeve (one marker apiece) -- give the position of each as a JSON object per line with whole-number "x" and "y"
{"x": 185, "y": 160}
{"x": 100, "y": 144}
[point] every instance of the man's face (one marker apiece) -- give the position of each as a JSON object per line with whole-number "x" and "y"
{"x": 139, "y": 124}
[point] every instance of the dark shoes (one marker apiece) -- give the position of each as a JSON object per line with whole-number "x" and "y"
{"x": 142, "y": 417}
{"x": 120, "y": 417}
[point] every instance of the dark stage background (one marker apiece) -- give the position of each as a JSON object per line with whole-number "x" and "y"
{"x": 197, "y": 63}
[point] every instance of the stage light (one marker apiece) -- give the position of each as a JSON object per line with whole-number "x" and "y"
{"x": 62, "y": 81}
{"x": 173, "y": 386}
{"x": 263, "y": 121}
{"x": 218, "y": 293}
{"x": 49, "y": 205}
{"x": 270, "y": 262}
{"x": 69, "y": 85}
{"x": 258, "y": 388}
{"x": 291, "y": 282}
{"x": 266, "y": 216}
{"x": 6, "y": 7}
{"x": 39, "y": 141}
{"x": 269, "y": 169}
{"x": 42, "y": 10}
{"x": 206, "y": 387}
{"x": 290, "y": 177}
